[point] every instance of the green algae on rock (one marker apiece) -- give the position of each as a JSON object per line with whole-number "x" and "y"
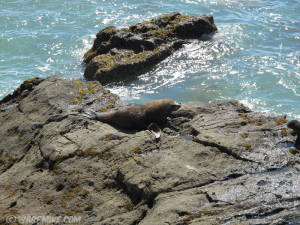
{"x": 121, "y": 53}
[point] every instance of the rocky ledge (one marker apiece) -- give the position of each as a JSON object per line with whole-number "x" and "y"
{"x": 118, "y": 54}
{"x": 215, "y": 163}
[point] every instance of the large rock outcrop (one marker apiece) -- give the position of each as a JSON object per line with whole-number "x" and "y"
{"x": 119, "y": 54}
{"x": 215, "y": 163}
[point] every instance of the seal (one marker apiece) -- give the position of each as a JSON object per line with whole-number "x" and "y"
{"x": 138, "y": 117}
{"x": 295, "y": 126}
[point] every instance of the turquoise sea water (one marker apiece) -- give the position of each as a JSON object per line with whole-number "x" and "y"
{"x": 254, "y": 57}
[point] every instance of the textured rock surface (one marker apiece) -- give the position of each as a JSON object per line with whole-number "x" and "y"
{"x": 118, "y": 54}
{"x": 215, "y": 163}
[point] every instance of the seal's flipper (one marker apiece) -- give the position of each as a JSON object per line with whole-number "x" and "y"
{"x": 155, "y": 129}
{"x": 90, "y": 114}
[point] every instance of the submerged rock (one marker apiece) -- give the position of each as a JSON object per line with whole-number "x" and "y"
{"x": 215, "y": 163}
{"x": 118, "y": 54}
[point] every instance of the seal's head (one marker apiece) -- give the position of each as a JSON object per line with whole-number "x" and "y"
{"x": 157, "y": 111}
{"x": 170, "y": 105}
{"x": 295, "y": 125}
{"x": 165, "y": 106}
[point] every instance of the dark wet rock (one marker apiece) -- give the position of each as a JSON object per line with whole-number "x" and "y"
{"x": 195, "y": 27}
{"x": 218, "y": 163}
{"x": 118, "y": 54}
{"x": 22, "y": 91}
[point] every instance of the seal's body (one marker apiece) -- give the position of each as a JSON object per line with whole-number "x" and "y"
{"x": 141, "y": 116}
{"x": 295, "y": 125}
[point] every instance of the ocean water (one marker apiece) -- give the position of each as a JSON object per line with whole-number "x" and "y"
{"x": 254, "y": 57}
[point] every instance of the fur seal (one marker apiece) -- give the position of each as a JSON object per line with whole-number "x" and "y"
{"x": 138, "y": 117}
{"x": 295, "y": 126}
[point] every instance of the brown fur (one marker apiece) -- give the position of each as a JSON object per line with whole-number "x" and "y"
{"x": 139, "y": 117}
{"x": 295, "y": 125}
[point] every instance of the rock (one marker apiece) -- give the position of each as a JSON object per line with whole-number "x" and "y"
{"x": 118, "y": 54}
{"x": 195, "y": 26}
{"x": 47, "y": 101}
{"x": 218, "y": 163}
{"x": 23, "y": 90}
{"x": 241, "y": 200}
